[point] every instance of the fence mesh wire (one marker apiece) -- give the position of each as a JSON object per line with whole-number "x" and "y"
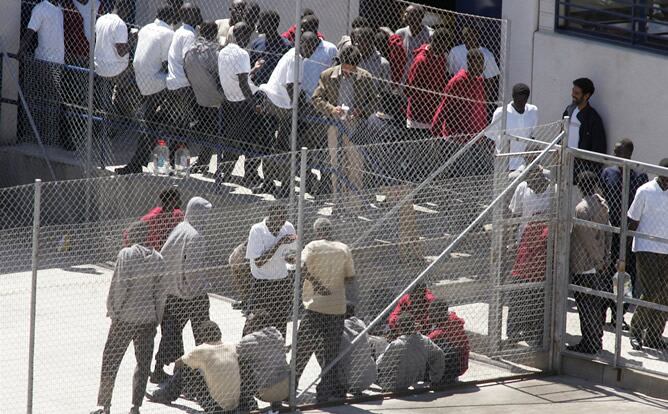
{"x": 400, "y": 161}
{"x": 631, "y": 333}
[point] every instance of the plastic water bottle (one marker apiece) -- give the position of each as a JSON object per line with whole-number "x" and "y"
{"x": 182, "y": 161}
{"x": 627, "y": 283}
{"x": 161, "y": 158}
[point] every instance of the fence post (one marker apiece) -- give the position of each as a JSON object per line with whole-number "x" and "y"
{"x": 297, "y": 283}
{"x": 295, "y": 106}
{"x": 561, "y": 272}
{"x": 33, "y": 290}
{"x": 621, "y": 264}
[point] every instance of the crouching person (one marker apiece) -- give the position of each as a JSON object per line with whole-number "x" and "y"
{"x": 209, "y": 374}
{"x": 134, "y": 313}
{"x": 265, "y": 373}
{"x": 357, "y": 369}
{"x": 448, "y": 334}
{"x": 409, "y": 359}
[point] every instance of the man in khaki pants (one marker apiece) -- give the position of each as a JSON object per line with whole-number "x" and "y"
{"x": 346, "y": 94}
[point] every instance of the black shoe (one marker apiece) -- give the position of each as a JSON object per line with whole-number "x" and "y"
{"x": 159, "y": 376}
{"x": 658, "y": 344}
{"x": 583, "y": 349}
{"x": 636, "y": 342}
{"x": 160, "y": 396}
{"x": 134, "y": 410}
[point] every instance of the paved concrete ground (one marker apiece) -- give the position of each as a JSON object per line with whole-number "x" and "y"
{"x": 547, "y": 395}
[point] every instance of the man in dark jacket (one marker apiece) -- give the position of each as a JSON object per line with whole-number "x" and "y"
{"x": 586, "y": 129}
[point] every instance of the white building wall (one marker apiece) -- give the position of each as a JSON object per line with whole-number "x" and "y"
{"x": 631, "y": 87}
{"x": 9, "y": 42}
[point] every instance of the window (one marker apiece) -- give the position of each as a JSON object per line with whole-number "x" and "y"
{"x": 640, "y": 24}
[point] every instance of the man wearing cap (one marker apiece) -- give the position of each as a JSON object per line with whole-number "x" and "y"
{"x": 521, "y": 121}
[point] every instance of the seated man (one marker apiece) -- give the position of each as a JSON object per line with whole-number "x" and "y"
{"x": 448, "y": 333}
{"x": 357, "y": 369}
{"x": 415, "y": 304}
{"x": 209, "y": 374}
{"x": 265, "y": 374}
{"x": 410, "y": 358}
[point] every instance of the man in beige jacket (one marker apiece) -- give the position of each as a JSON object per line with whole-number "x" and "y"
{"x": 590, "y": 250}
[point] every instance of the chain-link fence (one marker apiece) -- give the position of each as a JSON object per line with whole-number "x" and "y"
{"x": 616, "y": 308}
{"x": 420, "y": 251}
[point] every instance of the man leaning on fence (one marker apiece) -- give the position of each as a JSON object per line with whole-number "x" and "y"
{"x": 185, "y": 284}
{"x": 647, "y": 215}
{"x": 328, "y": 277}
{"x": 271, "y": 242}
{"x": 590, "y": 250}
{"x": 134, "y": 308}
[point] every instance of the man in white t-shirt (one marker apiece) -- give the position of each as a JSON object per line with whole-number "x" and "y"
{"x": 209, "y": 374}
{"x": 322, "y": 57}
{"x": 237, "y": 12}
{"x": 181, "y": 99}
{"x": 457, "y": 59}
{"x": 276, "y": 109}
{"x": 150, "y": 67}
{"x": 239, "y": 107}
{"x": 522, "y": 119}
{"x": 112, "y": 55}
{"x": 532, "y": 200}
{"x": 647, "y": 215}
{"x": 270, "y": 247}
{"x": 43, "y": 73}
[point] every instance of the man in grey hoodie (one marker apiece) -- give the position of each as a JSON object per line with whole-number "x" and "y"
{"x": 135, "y": 309}
{"x": 185, "y": 284}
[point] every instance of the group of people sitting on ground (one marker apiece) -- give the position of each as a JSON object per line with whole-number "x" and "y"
{"x": 170, "y": 287}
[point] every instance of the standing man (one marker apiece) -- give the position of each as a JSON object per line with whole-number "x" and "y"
{"x": 522, "y": 119}
{"x": 276, "y": 109}
{"x": 647, "y": 215}
{"x": 292, "y": 30}
{"x": 161, "y": 220}
{"x": 234, "y": 70}
{"x": 201, "y": 66}
{"x": 613, "y": 182}
{"x": 112, "y": 55}
{"x": 372, "y": 61}
{"x": 427, "y": 78}
{"x": 265, "y": 53}
{"x": 346, "y": 94}
{"x": 413, "y": 35}
{"x": 322, "y": 58}
{"x": 328, "y": 270}
{"x": 237, "y": 11}
{"x": 585, "y": 130}
{"x": 186, "y": 286}
{"x": 45, "y": 70}
{"x": 150, "y": 65}
{"x": 590, "y": 250}
{"x": 270, "y": 243}
{"x": 181, "y": 98}
{"x": 135, "y": 311}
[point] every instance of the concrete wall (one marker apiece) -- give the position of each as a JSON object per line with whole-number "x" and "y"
{"x": 523, "y": 18}
{"x": 335, "y": 16}
{"x": 9, "y": 42}
{"x": 631, "y": 91}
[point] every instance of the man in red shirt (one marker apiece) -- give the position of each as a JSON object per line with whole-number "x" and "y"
{"x": 463, "y": 110}
{"x": 427, "y": 77}
{"x": 449, "y": 334}
{"x": 415, "y": 304}
{"x": 290, "y": 33}
{"x": 162, "y": 219}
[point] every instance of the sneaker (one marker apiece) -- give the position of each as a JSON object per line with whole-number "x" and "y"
{"x": 636, "y": 341}
{"x": 100, "y": 410}
{"x": 159, "y": 376}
